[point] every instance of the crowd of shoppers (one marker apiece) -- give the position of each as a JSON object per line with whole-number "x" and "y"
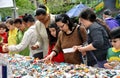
{"x": 56, "y": 38}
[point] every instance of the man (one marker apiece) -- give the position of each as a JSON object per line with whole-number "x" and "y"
{"x": 20, "y": 33}
{"x": 42, "y": 23}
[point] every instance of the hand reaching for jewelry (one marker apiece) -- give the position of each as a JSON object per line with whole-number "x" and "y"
{"x": 49, "y": 57}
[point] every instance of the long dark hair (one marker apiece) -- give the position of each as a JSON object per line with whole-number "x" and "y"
{"x": 53, "y": 40}
{"x": 64, "y": 18}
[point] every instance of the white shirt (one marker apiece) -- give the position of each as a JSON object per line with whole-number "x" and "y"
{"x": 29, "y": 39}
{"x": 42, "y": 35}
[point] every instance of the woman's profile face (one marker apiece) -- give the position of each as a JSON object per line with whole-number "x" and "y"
{"x": 9, "y": 26}
{"x": 84, "y": 22}
{"x": 63, "y": 26}
{"x": 52, "y": 31}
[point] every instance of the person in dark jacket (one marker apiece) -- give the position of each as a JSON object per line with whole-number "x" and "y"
{"x": 98, "y": 39}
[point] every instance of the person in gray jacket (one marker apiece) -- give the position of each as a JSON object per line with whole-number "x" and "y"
{"x": 98, "y": 39}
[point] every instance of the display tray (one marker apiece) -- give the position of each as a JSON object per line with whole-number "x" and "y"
{"x": 28, "y": 67}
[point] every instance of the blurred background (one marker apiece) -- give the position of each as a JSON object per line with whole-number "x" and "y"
{"x": 16, "y": 8}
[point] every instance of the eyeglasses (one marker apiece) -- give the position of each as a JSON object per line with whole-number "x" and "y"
{"x": 62, "y": 26}
{"x": 114, "y": 41}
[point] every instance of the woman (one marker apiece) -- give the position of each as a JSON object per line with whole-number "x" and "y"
{"x": 12, "y": 33}
{"x": 67, "y": 38}
{"x": 98, "y": 39}
{"x": 53, "y": 36}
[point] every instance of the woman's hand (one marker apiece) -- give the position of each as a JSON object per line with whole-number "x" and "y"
{"x": 81, "y": 49}
{"x": 75, "y": 48}
{"x": 49, "y": 57}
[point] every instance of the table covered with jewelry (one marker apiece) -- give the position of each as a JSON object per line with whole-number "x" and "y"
{"x": 27, "y": 67}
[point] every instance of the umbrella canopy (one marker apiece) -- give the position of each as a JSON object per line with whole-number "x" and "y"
{"x": 75, "y": 11}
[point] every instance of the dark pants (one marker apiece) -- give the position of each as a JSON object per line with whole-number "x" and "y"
{"x": 38, "y": 55}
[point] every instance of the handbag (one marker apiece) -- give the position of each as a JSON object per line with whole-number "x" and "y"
{"x": 84, "y": 58}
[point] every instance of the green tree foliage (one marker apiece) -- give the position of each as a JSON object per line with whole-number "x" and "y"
{"x": 55, "y": 6}
{"x": 60, "y": 6}
{"x": 25, "y": 6}
{"x": 5, "y": 12}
